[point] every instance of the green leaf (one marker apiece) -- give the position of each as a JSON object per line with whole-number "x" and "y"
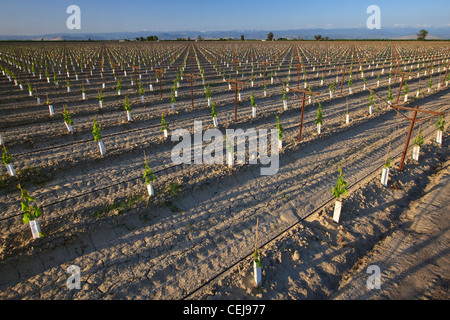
{"x": 388, "y": 163}
{"x": 26, "y": 218}
{"x": 24, "y": 206}
{"x": 37, "y": 212}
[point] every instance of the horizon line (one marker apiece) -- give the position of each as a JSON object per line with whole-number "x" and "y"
{"x": 219, "y": 30}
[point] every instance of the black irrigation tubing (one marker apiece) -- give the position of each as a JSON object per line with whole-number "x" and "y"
{"x": 118, "y": 183}
{"x": 246, "y": 81}
{"x": 324, "y": 204}
{"x": 106, "y": 187}
{"x": 154, "y": 126}
{"x": 109, "y": 186}
{"x": 96, "y": 190}
{"x": 117, "y": 133}
{"x": 139, "y": 129}
{"x": 85, "y": 140}
{"x": 114, "y": 96}
{"x": 110, "y": 135}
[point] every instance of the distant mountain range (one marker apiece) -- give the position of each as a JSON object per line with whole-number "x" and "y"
{"x": 306, "y": 34}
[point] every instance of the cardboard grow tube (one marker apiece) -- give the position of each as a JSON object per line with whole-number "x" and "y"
{"x": 151, "y": 191}
{"x": 337, "y": 210}
{"x": 230, "y": 158}
{"x": 69, "y": 127}
{"x": 439, "y": 137}
{"x": 384, "y": 176}
{"x": 416, "y": 150}
{"x": 35, "y": 229}
{"x": 10, "y": 169}
{"x": 101, "y": 146}
{"x": 257, "y": 273}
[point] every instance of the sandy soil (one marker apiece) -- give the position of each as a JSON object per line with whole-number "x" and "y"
{"x": 402, "y": 229}
{"x": 202, "y": 220}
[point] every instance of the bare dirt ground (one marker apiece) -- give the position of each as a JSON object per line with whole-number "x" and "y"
{"x": 403, "y": 230}
{"x": 203, "y": 219}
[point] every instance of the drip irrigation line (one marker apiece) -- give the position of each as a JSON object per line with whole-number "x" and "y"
{"x": 104, "y": 188}
{"x": 110, "y": 135}
{"x": 273, "y": 238}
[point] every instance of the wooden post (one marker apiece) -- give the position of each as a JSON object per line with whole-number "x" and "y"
{"x": 136, "y": 77}
{"x": 115, "y": 69}
{"x": 400, "y": 88}
{"x": 191, "y": 78}
{"x": 236, "y": 83}
{"x": 413, "y": 120}
{"x": 264, "y": 74}
{"x": 325, "y": 68}
{"x": 343, "y": 76}
{"x": 159, "y": 75}
{"x": 396, "y": 72}
{"x": 299, "y": 67}
{"x": 303, "y": 108}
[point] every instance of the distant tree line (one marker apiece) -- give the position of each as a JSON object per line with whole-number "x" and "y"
{"x": 270, "y": 37}
{"x": 149, "y": 38}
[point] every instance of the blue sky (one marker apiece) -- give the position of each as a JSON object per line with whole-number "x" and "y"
{"x": 32, "y": 17}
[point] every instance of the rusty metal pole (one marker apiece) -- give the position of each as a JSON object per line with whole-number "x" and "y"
{"x": 236, "y": 83}
{"x": 115, "y": 70}
{"x": 299, "y": 67}
{"x": 160, "y": 85}
{"x": 192, "y": 94}
{"x": 301, "y": 117}
{"x": 235, "y": 61}
{"x": 431, "y": 65}
{"x": 235, "y": 102}
{"x": 400, "y": 88}
{"x": 191, "y": 78}
{"x": 264, "y": 74}
{"x": 400, "y": 167}
{"x": 396, "y": 72}
{"x": 325, "y": 69}
{"x": 303, "y": 107}
{"x": 136, "y": 77}
{"x": 159, "y": 72}
{"x": 399, "y": 92}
